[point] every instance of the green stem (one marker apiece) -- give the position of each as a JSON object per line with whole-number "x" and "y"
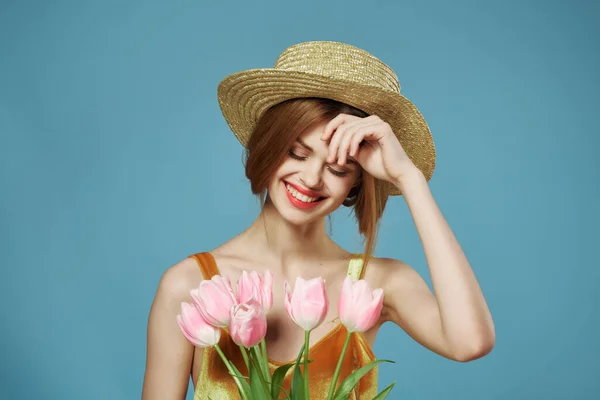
{"x": 232, "y": 373}
{"x": 265, "y": 361}
{"x": 256, "y": 364}
{"x": 338, "y": 367}
{"x": 256, "y": 359}
{"x": 306, "y": 339}
{"x": 245, "y": 355}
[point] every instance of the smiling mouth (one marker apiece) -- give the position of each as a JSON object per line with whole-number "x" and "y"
{"x": 301, "y": 197}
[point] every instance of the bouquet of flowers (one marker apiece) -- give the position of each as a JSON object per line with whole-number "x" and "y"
{"x": 216, "y": 306}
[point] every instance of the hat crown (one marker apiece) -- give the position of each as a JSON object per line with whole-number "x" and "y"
{"x": 339, "y": 61}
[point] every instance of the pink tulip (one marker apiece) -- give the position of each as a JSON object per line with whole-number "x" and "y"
{"x": 195, "y": 328}
{"x": 253, "y": 285}
{"x": 248, "y": 323}
{"x": 214, "y": 299}
{"x": 359, "y": 307}
{"x": 308, "y": 303}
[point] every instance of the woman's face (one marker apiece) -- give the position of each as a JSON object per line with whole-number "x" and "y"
{"x": 305, "y": 187}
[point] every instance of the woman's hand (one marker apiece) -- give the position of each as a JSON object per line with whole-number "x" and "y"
{"x": 381, "y": 154}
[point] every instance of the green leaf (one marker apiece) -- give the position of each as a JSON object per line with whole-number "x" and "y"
{"x": 245, "y": 389}
{"x": 383, "y": 394}
{"x": 351, "y": 381}
{"x": 277, "y": 380}
{"x": 297, "y": 391}
{"x": 256, "y": 385}
{"x": 257, "y": 357}
{"x": 287, "y": 395}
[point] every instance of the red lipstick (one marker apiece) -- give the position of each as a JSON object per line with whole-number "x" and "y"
{"x": 305, "y": 192}
{"x": 298, "y": 203}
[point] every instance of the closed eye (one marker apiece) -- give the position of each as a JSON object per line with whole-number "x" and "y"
{"x": 296, "y": 156}
{"x": 332, "y": 170}
{"x": 336, "y": 172}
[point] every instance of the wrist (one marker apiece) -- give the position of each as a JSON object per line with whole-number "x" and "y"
{"x": 412, "y": 177}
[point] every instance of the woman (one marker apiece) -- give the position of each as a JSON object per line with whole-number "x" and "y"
{"x": 325, "y": 127}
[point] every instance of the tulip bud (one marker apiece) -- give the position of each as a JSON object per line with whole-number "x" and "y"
{"x": 307, "y": 305}
{"x": 253, "y": 285}
{"x": 359, "y": 307}
{"x": 195, "y": 328}
{"x": 214, "y": 299}
{"x": 247, "y": 323}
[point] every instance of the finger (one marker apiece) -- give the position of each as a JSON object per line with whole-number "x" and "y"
{"x": 331, "y": 126}
{"x": 359, "y": 136}
{"x": 373, "y": 131}
{"x": 335, "y": 141}
{"x": 355, "y": 144}
{"x": 350, "y": 130}
{"x": 374, "y": 118}
{"x": 334, "y": 124}
{"x": 344, "y": 146}
{"x": 342, "y": 132}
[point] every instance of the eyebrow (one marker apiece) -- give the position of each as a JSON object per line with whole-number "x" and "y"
{"x": 349, "y": 160}
{"x": 301, "y": 142}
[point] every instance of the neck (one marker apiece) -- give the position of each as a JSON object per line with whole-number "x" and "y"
{"x": 282, "y": 240}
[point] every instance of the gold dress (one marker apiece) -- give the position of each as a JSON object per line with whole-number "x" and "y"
{"x": 215, "y": 382}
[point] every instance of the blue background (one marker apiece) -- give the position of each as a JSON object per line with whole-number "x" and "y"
{"x": 115, "y": 163}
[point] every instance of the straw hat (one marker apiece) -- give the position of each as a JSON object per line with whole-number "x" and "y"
{"x": 335, "y": 71}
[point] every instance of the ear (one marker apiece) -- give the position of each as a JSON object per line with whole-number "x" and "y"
{"x": 359, "y": 179}
{"x": 354, "y": 190}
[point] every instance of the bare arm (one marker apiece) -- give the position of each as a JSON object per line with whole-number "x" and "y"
{"x": 409, "y": 303}
{"x": 456, "y": 322}
{"x": 169, "y": 354}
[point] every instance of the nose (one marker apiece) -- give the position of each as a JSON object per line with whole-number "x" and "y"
{"x": 310, "y": 176}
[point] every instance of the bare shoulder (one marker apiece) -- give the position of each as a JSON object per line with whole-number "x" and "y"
{"x": 177, "y": 280}
{"x": 402, "y": 285}
{"x": 381, "y": 271}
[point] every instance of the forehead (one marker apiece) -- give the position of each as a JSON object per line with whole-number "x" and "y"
{"x": 315, "y": 130}
{"x": 311, "y": 138}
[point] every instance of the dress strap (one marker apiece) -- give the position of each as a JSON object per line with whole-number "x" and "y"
{"x": 355, "y": 266}
{"x": 207, "y": 264}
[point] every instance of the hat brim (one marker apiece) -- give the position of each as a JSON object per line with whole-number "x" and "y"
{"x": 244, "y": 96}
